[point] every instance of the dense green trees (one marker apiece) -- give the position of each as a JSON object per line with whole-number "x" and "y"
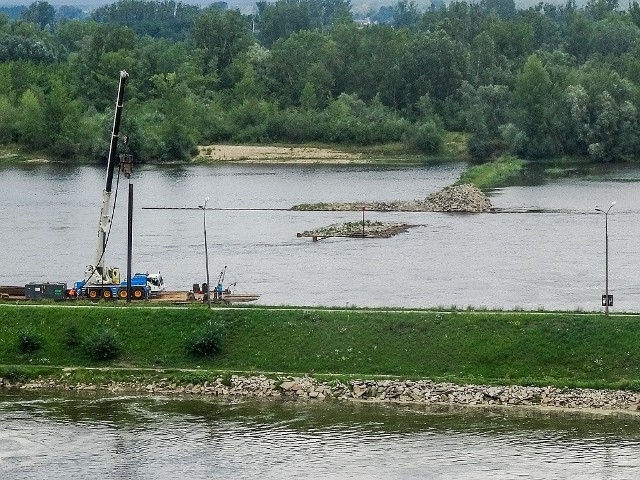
{"x": 545, "y": 81}
{"x": 165, "y": 18}
{"x": 40, "y": 13}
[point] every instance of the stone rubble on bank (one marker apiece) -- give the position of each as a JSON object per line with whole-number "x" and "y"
{"x": 398, "y": 391}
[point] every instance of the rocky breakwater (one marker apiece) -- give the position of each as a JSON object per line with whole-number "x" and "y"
{"x": 398, "y": 391}
{"x": 356, "y": 229}
{"x": 457, "y": 198}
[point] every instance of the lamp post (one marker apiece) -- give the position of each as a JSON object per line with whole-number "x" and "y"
{"x": 606, "y": 256}
{"x": 206, "y": 249}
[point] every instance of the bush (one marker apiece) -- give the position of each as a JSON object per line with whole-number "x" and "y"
{"x": 426, "y": 137}
{"x": 72, "y": 336}
{"x": 206, "y": 344}
{"x": 196, "y": 378}
{"x": 102, "y": 346}
{"x": 28, "y": 342}
{"x": 14, "y": 374}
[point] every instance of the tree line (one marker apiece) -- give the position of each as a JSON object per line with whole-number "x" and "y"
{"x": 539, "y": 82}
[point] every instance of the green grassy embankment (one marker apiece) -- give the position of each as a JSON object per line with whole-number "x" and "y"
{"x": 562, "y": 349}
{"x": 498, "y": 173}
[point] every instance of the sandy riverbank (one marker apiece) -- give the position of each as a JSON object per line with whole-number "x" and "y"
{"x": 271, "y": 154}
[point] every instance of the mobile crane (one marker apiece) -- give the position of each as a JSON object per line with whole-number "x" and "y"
{"x": 100, "y": 281}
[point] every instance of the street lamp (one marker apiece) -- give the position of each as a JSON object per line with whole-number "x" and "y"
{"x": 606, "y": 256}
{"x": 206, "y": 250}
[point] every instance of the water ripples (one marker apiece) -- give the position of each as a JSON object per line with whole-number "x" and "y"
{"x": 158, "y": 437}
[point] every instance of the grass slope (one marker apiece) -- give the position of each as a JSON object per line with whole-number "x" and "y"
{"x": 466, "y": 347}
{"x": 498, "y": 173}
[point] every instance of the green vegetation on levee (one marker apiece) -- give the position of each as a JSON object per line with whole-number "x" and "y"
{"x": 498, "y": 173}
{"x": 562, "y": 349}
{"x": 538, "y": 82}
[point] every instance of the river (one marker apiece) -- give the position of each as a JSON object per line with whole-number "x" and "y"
{"x": 552, "y": 259}
{"x": 71, "y": 436}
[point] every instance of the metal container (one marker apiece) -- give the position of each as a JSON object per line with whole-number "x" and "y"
{"x": 55, "y": 291}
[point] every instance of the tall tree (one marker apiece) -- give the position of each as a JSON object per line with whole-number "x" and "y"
{"x": 405, "y": 14}
{"x": 533, "y": 100}
{"x": 431, "y": 64}
{"x": 220, "y": 35}
{"x": 31, "y": 124}
{"x": 504, "y": 9}
{"x": 281, "y": 19}
{"x": 41, "y": 13}
{"x": 303, "y": 58}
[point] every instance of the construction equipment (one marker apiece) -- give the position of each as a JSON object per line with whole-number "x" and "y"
{"x": 100, "y": 281}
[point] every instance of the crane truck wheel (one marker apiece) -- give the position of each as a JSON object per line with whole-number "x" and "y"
{"x": 93, "y": 294}
{"x": 122, "y": 293}
{"x": 106, "y": 293}
{"x": 137, "y": 293}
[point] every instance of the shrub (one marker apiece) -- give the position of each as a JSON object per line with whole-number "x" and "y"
{"x": 196, "y": 378}
{"x": 28, "y": 342}
{"x": 102, "y": 346}
{"x": 14, "y": 374}
{"x": 426, "y": 138}
{"x": 225, "y": 379}
{"x": 207, "y": 343}
{"x": 72, "y": 336}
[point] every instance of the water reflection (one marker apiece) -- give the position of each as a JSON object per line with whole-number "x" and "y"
{"x": 156, "y": 437}
{"x": 135, "y": 411}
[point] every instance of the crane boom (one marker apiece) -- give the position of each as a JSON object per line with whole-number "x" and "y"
{"x": 102, "y": 282}
{"x": 98, "y": 271}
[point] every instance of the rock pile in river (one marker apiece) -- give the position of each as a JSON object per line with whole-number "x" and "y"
{"x": 355, "y": 229}
{"x": 456, "y": 198}
{"x": 459, "y": 198}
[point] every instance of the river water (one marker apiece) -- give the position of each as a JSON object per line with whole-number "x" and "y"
{"x": 551, "y": 259}
{"x": 78, "y": 437}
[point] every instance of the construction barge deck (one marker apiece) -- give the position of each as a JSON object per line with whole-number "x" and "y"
{"x": 18, "y": 293}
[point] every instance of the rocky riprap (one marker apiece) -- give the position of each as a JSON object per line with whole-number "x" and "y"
{"x": 354, "y": 229}
{"x": 457, "y": 198}
{"x": 398, "y": 391}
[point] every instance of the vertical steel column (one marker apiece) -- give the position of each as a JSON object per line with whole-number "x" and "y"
{"x": 129, "y": 241}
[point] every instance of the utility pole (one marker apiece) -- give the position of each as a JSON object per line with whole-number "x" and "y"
{"x": 606, "y": 301}
{"x": 206, "y": 249}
